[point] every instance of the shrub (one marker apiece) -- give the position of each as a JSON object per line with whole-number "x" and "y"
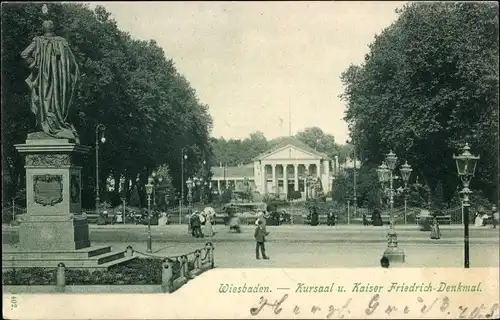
{"x": 294, "y": 195}
{"x": 135, "y": 272}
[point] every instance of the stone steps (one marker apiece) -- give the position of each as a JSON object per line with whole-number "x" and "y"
{"x": 78, "y": 254}
{"x": 97, "y": 257}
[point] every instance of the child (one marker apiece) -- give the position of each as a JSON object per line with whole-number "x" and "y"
{"x": 260, "y": 236}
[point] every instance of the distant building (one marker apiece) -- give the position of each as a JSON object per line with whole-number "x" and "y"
{"x": 278, "y": 170}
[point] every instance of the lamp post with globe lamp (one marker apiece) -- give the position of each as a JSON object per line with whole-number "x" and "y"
{"x": 189, "y": 184}
{"x": 149, "y": 191}
{"x": 405, "y": 174}
{"x": 385, "y": 174}
{"x": 156, "y": 183}
{"x": 99, "y": 129}
{"x": 183, "y": 157}
{"x": 466, "y": 166}
{"x": 123, "y": 194}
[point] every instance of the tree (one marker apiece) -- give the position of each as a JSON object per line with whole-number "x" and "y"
{"x": 315, "y": 138}
{"x": 150, "y": 110}
{"x": 429, "y": 84}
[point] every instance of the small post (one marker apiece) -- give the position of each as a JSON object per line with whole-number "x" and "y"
{"x": 211, "y": 253}
{"x": 61, "y": 276}
{"x": 129, "y": 252}
{"x": 197, "y": 257}
{"x": 184, "y": 267}
{"x": 167, "y": 276}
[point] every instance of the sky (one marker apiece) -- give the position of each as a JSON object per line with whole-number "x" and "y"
{"x": 261, "y": 66}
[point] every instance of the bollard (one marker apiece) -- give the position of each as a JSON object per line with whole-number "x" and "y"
{"x": 61, "y": 276}
{"x": 167, "y": 276}
{"x": 129, "y": 252}
{"x": 211, "y": 254}
{"x": 184, "y": 267}
{"x": 208, "y": 254}
{"x": 197, "y": 257}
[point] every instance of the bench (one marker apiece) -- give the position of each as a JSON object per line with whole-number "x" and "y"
{"x": 446, "y": 219}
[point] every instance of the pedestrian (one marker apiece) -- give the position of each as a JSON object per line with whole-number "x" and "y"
{"x": 435, "y": 232}
{"x": 209, "y": 231}
{"x": 494, "y": 216}
{"x": 314, "y": 217}
{"x": 384, "y": 262}
{"x": 365, "y": 219}
{"x": 260, "y": 238}
{"x": 376, "y": 218}
{"x": 196, "y": 225}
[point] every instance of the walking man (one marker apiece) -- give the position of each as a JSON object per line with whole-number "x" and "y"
{"x": 260, "y": 236}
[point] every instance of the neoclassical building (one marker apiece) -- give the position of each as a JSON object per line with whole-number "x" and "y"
{"x": 279, "y": 170}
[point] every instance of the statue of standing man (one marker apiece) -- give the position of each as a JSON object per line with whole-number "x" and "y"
{"x": 53, "y": 82}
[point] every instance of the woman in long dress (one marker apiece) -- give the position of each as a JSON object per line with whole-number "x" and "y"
{"x": 478, "y": 221}
{"x": 209, "y": 231}
{"x": 435, "y": 232}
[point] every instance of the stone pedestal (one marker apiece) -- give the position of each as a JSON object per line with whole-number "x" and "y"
{"x": 54, "y": 230}
{"x": 54, "y": 219}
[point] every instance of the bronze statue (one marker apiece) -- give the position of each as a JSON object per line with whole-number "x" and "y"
{"x": 53, "y": 79}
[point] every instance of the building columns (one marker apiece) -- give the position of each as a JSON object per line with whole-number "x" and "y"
{"x": 275, "y": 186}
{"x": 285, "y": 180}
{"x": 296, "y": 176}
{"x": 218, "y": 186}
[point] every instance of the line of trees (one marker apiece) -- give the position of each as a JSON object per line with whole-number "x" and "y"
{"x": 428, "y": 85}
{"x": 150, "y": 109}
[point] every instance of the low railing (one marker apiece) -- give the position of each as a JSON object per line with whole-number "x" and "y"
{"x": 175, "y": 272}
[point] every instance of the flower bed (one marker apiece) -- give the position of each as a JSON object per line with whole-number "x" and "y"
{"x": 136, "y": 272}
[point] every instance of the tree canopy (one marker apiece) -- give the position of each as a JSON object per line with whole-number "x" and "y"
{"x": 428, "y": 85}
{"x": 235, "y": 151}
{"x": 149, "y": 108}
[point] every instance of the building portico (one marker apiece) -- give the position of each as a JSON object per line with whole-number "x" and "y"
{"x": 280, "y": 170}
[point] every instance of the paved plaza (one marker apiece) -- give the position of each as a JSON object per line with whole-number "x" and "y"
{"x": 305, "y": 246}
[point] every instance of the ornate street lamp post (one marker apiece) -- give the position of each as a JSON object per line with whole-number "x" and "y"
{"x": 149, "y": 191}
{"x": 98, "y": 129}
{"x": 123, "y": 196}
{"x": 183, "y": 157}
{"x": 189, "y": 184}
{"x": 466, "y": 166}
{"x": 405, "y": 173}
{"x": 196, "y": 185}
{"x": 156, "y": 184}
{"x": 385, "y": 174}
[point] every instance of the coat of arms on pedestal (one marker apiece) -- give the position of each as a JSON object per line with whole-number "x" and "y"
{"x": 48, "y": 189}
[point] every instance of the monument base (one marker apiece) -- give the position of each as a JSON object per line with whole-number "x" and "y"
{"x": 395, "y": 254}
{"x": 53, "y": 230}
{"x": 54, "y": 233}
{"x": 93, "y": 258}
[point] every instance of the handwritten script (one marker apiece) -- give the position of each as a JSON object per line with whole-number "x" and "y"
{"x": 376, "y": 306}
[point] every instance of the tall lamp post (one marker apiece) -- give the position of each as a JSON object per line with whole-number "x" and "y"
{"x": 405, "y": 173}
{"x": 123, "y": 196}
{"x": 385, "y": 174}
{"x": 189, "y": 184}
{"x": 466, "y": 166}
{"x": 183, "y": 157}
{"x": 99, "y": 129}
{"x": 156, "y": 184}
{"x": 149, "y": 191}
